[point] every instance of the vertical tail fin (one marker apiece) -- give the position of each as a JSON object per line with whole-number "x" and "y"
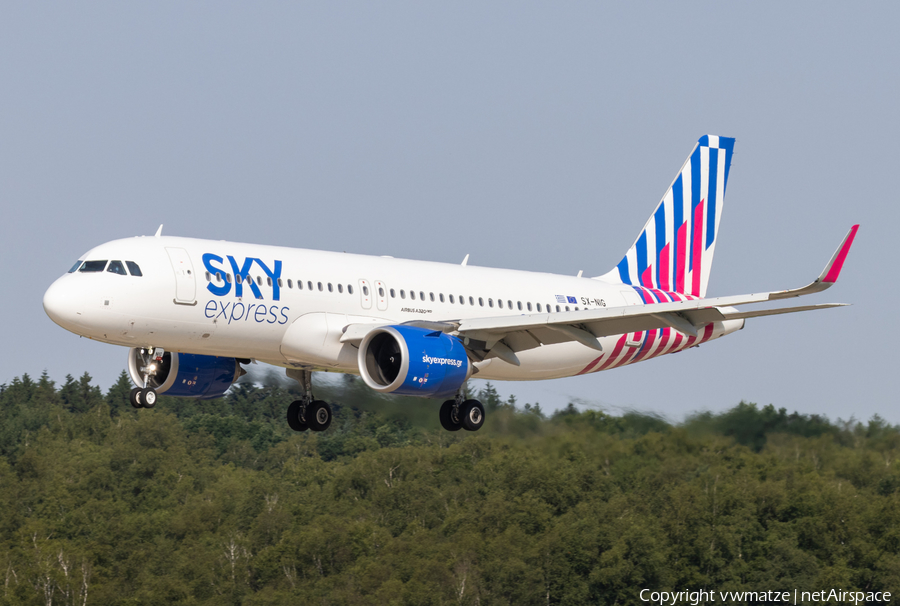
{"x": 675, "y": 249}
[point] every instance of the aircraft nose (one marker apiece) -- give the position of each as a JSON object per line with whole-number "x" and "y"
{"x": 59, "y": 305}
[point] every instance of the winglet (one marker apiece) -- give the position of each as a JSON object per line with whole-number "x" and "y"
{"x": 158, "y": 231}
{"x": 828, "y": 276}
{"x": 833, "y": 269}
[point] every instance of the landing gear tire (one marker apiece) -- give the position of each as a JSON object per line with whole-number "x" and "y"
{"x": 450, "y": 421}
{"x": 318, "y": 415}
{"x": 148, "y": 398}
{"x": 472, "y": 413}
{"x": 135, "y": 397}
{"x": 294, "y": 418}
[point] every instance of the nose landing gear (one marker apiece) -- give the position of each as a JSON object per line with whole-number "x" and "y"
{"x": 142, "y": 398}
{"x": 307, "y": 412}
{"x": 145, "y": 397}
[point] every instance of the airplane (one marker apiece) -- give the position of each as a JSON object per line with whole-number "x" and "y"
{"x": 193, "y": 311}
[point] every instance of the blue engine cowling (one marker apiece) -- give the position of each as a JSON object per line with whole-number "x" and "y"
{"x": 187, "y": 375}
{"x": 412, "y": 361}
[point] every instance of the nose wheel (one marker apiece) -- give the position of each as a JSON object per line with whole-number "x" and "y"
{"x": 145, "y": 396}
{"x": 142, "y": 398}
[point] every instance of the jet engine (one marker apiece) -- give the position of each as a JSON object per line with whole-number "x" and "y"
{"x": 187, "y": 375}
{"x": 408, "y": 360}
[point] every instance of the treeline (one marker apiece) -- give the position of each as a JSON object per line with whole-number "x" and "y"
{"x": 218, "y": 502}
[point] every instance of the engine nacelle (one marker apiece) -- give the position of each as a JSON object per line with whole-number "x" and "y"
{"x": 413, "y": 361}
{"x": 187, "y": 375}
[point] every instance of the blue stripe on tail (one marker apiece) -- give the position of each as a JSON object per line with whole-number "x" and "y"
{"x": 711, "y": 203}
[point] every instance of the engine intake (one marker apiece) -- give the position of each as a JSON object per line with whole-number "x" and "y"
{"x": 408, "y": 360}
{"x": 187, "y": 375}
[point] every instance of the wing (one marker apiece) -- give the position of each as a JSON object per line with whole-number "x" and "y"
{"x": 503, "y": 336}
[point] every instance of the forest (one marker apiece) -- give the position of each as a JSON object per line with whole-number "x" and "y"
{"x": 218, "y": 502}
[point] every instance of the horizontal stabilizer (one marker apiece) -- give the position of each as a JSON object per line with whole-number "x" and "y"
{"x": 739, "y": 315}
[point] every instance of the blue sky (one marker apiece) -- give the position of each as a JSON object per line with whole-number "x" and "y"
{"x": 528, "y": 135}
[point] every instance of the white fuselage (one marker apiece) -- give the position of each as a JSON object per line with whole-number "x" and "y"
{"x": 306, "y": 298}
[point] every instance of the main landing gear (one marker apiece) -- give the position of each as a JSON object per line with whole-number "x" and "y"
{"x": 307, "y": 412}
{"x": 457, "y": 414}
{"x": 145, "y": 397}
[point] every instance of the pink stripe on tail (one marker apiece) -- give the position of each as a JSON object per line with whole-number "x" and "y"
{"x": 681, "y": 254}
{"x": 697, "y": 253}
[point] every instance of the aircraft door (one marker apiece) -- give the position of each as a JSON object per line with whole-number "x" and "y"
{"x": 185, "y": 287}
{"x": 365, "y": 294}
{"x": 380, "y": 295}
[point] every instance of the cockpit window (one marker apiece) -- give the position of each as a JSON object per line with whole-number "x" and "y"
{"x": 133, "y": 268}
{"x": 116, "y": 267}
{"x": 93, "y": 266}
{"x": 76, "y": 266}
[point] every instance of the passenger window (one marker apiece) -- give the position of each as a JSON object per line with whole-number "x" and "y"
{"x": 340, "y": 288}
{"x": 451, "y": 299}
{"x": 462, "y": 300}
{"x": 259, "y": 281}
{"x": 380, "y": 292}
{"x": 366, "y": 290}
{"x": 299, "y": 284}
{"x": 208, "y": 277}
{"x": 116, "y": 267}
{"x": 93, "y": 266}
{"x": 238, "y": 279}
{"x": 393, "y": 295}
{"x": 441, "y": 297}
{"x": 520, "y": 306}
{"x": 290, "y": 283}
{"x": 529, "y": 306}
{"x": 431, "y": 294}
{"x": 280, "y": 283}
{"x": 567, "y": 308}
{"x": 76, "y": 266}
{"x": 412, "y": 294}
{"x": 320, "y": 286}
{"x": 490, "y": 302}
{"x": 350, "y": 289}
{"x": 471, "y": 300}
{"x": 402, "y": 294}
{"x": 557, "y": 308}
{"x": 218, "y": 276}
{"x": 133, "y": 268}
{"x": 330, "y": 288}
{"x": 539, "y": 307}
{"x": 509, "y": 303}
{"x": 228, "y": 278}
{"x": 499, "y": 303}
{"x": 422, "y": 296}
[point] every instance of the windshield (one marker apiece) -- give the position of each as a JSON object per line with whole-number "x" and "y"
{"x": 92, "y": 266}
{"x": 116, "y": 267}
{"x": 133, "y": 268}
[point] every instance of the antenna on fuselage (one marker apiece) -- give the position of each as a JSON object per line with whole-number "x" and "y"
{"x": 466, "y": 260}
{"x": 158, "y": 231}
